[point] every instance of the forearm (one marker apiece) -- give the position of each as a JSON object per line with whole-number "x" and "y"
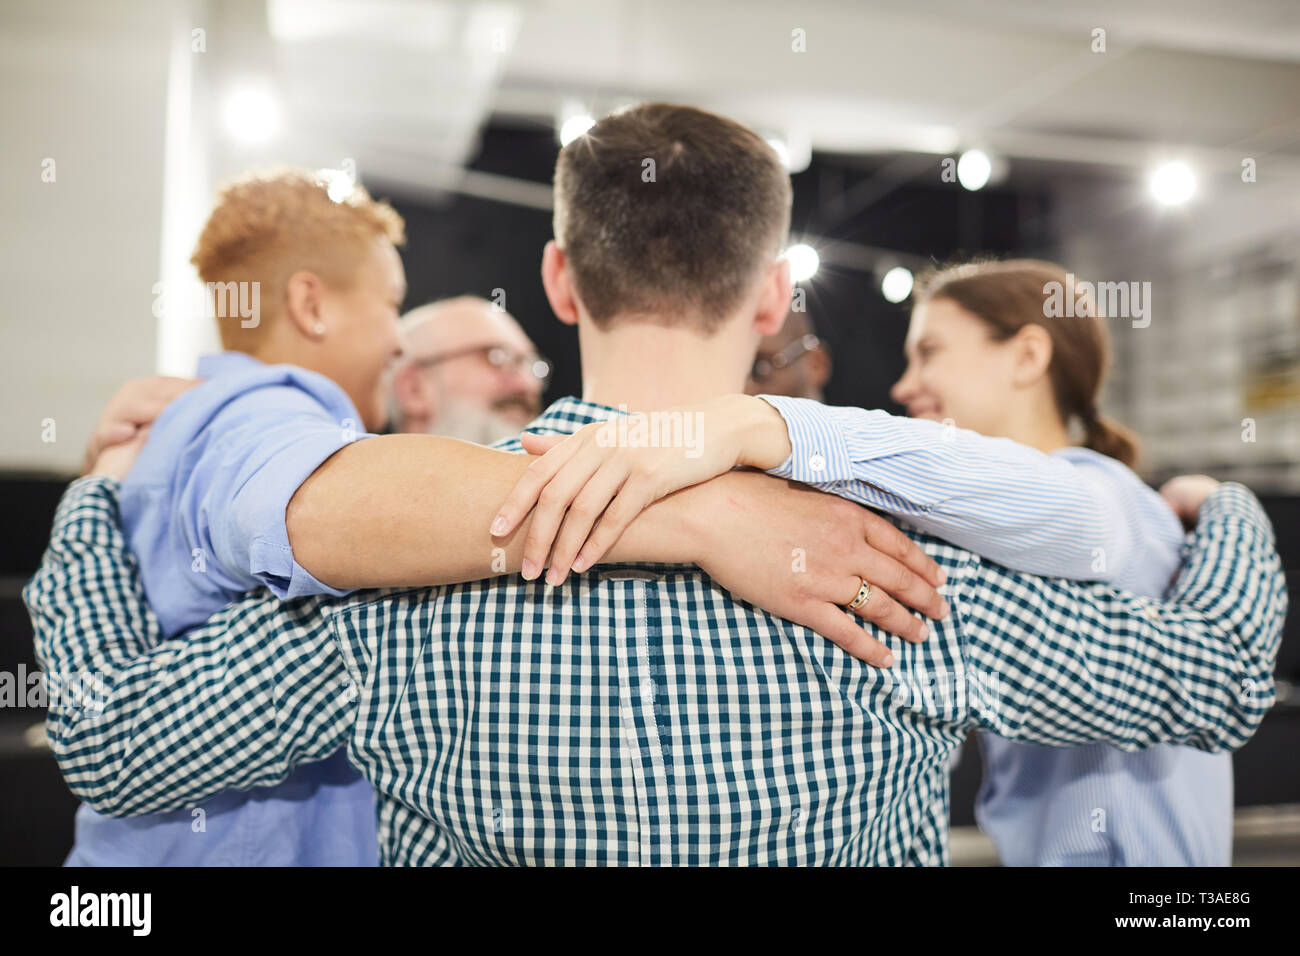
{"x": 408, "y": 510}
{"x": 89, "y": 616}
{"x": 210, "y": 712}
{"x": 1073, "y": 664}
{"x": 1002, "y": 500}
{"x": 139, "y": 726}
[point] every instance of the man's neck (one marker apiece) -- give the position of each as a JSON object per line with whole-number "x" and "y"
{"x": 644, "y": 366}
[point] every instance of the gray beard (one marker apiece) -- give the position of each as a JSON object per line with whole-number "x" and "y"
{"x": 470, "y": 422}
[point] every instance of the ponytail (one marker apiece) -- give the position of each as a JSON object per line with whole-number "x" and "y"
{"x": 1110, "y": 438}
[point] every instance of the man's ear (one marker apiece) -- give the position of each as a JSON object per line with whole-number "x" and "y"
{"x": 555, "y": 280}
{"x": 304, "y": 304}
{"x": 774, "y": 300}
{"x": 818, "y": 368}
{"x": 1032, "y": 354}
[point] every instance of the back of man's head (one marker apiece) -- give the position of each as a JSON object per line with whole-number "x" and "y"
{"x": 669, "y": 211}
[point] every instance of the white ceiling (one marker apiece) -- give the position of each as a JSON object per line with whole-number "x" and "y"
{"x": 409, "y": 82}
{"x": 889, "y": 75}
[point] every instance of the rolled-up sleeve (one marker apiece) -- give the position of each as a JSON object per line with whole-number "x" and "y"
{"x": 265, "y": 445}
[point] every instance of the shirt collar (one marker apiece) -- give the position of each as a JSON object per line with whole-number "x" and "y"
{"x": 568, "y": 414}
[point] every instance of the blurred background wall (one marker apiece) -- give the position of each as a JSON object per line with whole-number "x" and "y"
{"x": 121, "y": 118}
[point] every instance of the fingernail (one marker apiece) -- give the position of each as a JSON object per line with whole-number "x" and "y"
{"x": 553, "y": 577}
{"x": 944, "y": 610}
{"x": 498, "y": 525}
{"x": 889, "y": 660}
{"x": 580, "y": 563}
{"x": 943, "y": 576}
{"x": 925, "y": 632}
{"x": 527, "y": 569}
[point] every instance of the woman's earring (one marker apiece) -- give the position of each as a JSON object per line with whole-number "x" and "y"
{"x": 319, "y": 328}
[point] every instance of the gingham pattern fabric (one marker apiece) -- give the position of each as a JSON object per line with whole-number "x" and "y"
{"x": 638, "y": 714}
{"x": 141, "y": 725}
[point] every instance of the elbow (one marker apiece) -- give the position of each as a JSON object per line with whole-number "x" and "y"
{"x": 107, "y": 795}
{"x": 1245, "y": 704}
{"x": 93, "y": 776}
{"x": 98, "y": 791}
{"x": 1254, "y": 699}
{"x": 105, "y": 803}
{"x": 1226, "y": 739}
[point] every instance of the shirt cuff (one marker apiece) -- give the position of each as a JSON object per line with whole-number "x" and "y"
{"x": 92, "y": 495}
{"x": 270, "y": 555}
{"x": 818, "y": 454}
{"x": 1233, "y": 500}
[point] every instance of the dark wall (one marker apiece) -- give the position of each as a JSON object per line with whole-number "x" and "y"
{"x": 472, "y": 246}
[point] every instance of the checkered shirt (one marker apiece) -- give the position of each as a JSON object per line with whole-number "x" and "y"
{"x": 638, "y": 714}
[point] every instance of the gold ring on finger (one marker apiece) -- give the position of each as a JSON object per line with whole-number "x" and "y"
{"x": 864, "y": 595}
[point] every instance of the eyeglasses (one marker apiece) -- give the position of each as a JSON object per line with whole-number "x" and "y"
{"x": 499, "y": 357}
{"x": 763, "y": 367}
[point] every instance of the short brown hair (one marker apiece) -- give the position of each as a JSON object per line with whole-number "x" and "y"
{"x": 270, "y": 224}
{"x": 1006, "y": 295}
{"x": 685, "y": 235}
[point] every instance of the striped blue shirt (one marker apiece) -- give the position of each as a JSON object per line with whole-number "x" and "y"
{"x": 1096, "y": 805}
{"x": 638, "y": 714}
{"x": 1003, "y": 500}
{"x": 1078, "y": 514}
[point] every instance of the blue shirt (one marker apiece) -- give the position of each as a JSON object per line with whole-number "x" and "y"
{"x": 638, "y": 713}
{"x": 203, "y": 511}
{"x": 1077, "y": 514}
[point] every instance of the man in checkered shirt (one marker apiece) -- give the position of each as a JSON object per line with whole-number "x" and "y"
{"x": 640, "y": 714}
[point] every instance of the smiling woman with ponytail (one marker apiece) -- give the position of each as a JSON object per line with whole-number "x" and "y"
{"x": 985, "y": 353}
{"x": 1008, "y": 299}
